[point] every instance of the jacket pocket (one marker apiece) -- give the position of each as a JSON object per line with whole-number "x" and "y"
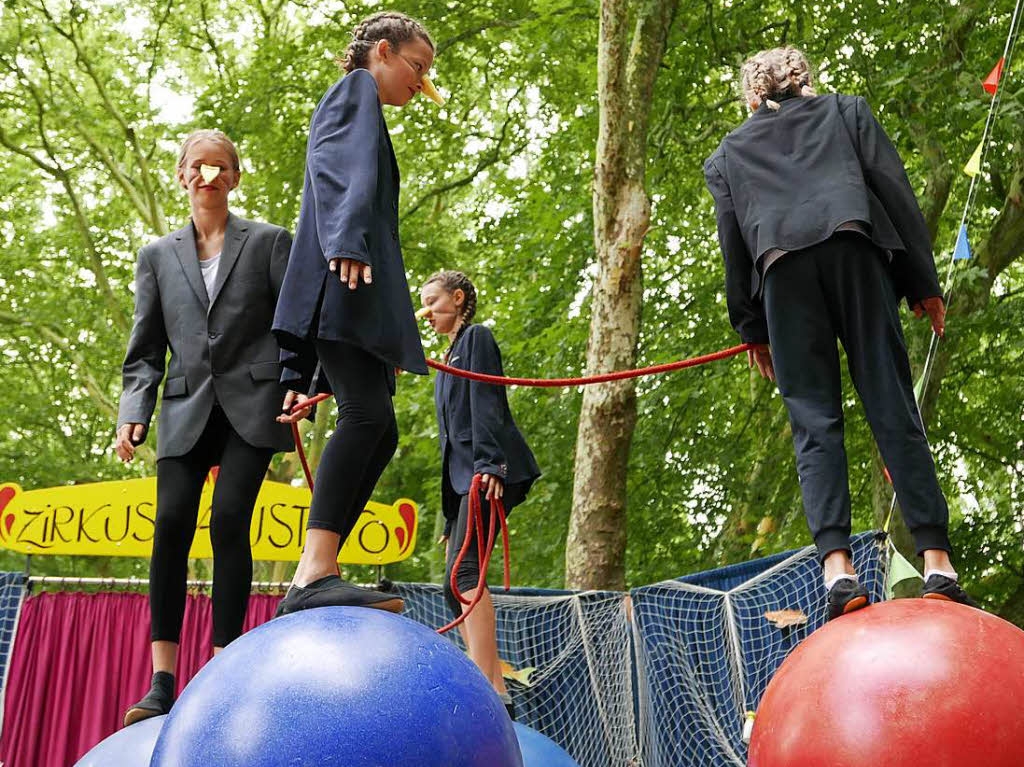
{"x": 265, "y": 371}
{"x": 175, "y": 387}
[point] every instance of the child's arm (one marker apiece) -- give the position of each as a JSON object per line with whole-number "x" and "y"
{"x": 746, "y": 314}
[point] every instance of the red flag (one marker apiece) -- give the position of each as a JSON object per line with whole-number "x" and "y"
{"x": 991, "y": 83}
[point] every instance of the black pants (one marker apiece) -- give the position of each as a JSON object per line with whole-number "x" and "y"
{"x": 469, "y": 568}
{"x": 840, "y": 289}
{"x": 179, "y": 484}
{"x": 363, "y": 443}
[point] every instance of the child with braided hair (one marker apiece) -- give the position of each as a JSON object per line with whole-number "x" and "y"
{"x": 822, "y": 236}
{"x": 344, "y": 311}
{"x": 478, "y": 436}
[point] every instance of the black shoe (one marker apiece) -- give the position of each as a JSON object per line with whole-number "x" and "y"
{"x": 941, "y": 587}
{"x": 332, "y": 591}
{"x": 158, "y": 700}
{"x": 846, "y": 596}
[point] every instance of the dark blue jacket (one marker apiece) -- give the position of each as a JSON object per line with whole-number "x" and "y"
{"x": 474, "y": 423}
{"x": 787, "y": 179}
{"x": 349, "y": 210}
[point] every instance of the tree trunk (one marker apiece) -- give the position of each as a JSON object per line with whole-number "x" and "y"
{"x": 627, "y": 67}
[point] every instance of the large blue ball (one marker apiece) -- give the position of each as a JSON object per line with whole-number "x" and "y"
{"x": 539, "y": 750}
{"x": 339, "y": 686}
{"x": 130, "y": 747}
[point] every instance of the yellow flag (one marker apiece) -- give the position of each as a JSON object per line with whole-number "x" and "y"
{"x": 973, "y": 166}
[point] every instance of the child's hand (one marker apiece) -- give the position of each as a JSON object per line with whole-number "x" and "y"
{"x": 761, "y": 355}
{"x": 935, "y": 307}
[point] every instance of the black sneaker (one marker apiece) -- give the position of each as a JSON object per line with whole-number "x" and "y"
{"x": 158, "y": 700}
{"x": 846, "y": 596}
{"x": 332, "y": 591}
{"x": 941, "y": 587}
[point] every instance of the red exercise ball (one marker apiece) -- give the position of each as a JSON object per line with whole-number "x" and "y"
{"x": 907, "y": 683}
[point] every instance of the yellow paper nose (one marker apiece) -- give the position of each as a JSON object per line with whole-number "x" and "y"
{"x": 424, "y": 312}
{"x": 209, "y": 173}
{"x": 431, "y": 92}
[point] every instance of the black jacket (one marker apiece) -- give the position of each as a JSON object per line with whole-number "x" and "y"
{"x": 474, "y": 423}
{"x": 787, "y": 179}
{"x": 221, "y": 347}
{"x": 349, "y": 210}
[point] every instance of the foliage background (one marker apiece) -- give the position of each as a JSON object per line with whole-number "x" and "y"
{"x": 95, "y": 96}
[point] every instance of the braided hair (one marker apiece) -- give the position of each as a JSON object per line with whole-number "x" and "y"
{"x": 395, "y": 27}
{"x": 775, "y": 72}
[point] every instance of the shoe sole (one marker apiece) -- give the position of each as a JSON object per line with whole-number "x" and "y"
{"x": 135, "y": 715}
{"x": 940, "y": 597}
{"x": 388, "y": 605}
{"x": 854, "y": 604}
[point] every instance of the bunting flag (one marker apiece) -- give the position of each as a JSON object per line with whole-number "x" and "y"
{"x": 963, "y": 247}
{"x": 899, "y": 570}
{"x": 973, "y": 166}
{"x": 991, "y": 83}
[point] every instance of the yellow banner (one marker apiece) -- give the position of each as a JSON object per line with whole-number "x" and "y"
{"x": 117, "y": 519}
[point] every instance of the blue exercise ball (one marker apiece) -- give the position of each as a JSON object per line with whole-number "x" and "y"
{"x": 339, "y": 686}
{"x": 539, "y": 750}
{"x": 130, "y": 747}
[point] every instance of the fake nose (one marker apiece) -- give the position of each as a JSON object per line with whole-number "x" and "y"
{"x": 209, "y": 173}
{"x": 431, "y": 92}
{"x": 424, "y": 312}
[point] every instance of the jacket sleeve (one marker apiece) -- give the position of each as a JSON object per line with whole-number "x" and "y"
{"x": 745, "y": 313}
{"x": 342, "y": 161}
{"x": 145, "y": 359}
{"x": 279, "y": 260}
{"x": 887, "y": 178}
{"x": 487, "y": 403}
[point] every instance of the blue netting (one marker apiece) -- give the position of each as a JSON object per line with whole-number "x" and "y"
{"x": 705, "y": 651}
{"x": 12, "y": 592}
{"x": 580, "y": 694}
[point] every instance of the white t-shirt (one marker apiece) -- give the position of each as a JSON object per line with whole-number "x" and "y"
{"x": 209, "y": 270}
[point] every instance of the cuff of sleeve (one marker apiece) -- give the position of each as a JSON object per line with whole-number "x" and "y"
{"x": 755, "y": 335}
{"x": 498, "y": 468}
{"x": 363, "y": 259}
{"x": 448, "y": 525}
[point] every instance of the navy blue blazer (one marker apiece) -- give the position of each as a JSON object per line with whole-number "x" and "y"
{"x": 475, "y": 426}
{"x": 788, "y": 179}
{"x": 349, "y": 210}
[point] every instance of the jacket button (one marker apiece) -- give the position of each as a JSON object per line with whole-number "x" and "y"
{"x": 212, "y": 335}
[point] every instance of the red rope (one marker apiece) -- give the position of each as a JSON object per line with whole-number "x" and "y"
{"x": 595, "y": 379}
{"x": 475, "y": 520}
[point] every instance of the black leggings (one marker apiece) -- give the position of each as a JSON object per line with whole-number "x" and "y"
{"x": 363, "y": 443}
{"x": 179, "y": 484}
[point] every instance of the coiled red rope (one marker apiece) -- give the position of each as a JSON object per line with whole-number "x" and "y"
{"x": 475, "y": 521}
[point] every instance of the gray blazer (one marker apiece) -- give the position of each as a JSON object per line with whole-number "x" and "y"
{"x": 221, "y": 346}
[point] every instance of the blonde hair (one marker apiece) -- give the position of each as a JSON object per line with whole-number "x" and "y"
{"x": 775, "y": 72}
{"x": 216, "y": 136}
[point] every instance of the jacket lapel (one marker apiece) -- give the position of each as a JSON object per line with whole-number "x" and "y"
{"x": 185, "y": 250}
{"x": 235, "y": 235}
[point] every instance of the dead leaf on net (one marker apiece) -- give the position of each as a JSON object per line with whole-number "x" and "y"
{"x": 521, "y": 675}
{"x": 786, "y": 618}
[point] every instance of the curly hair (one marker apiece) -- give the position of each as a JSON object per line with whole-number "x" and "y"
{"x": 395, "y": 27}
{"x": 217, "y": 137}
{"x": 451, "y": 281}
{"x": 775, "y": 72}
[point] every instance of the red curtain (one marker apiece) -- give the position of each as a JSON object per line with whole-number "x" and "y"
{"x": 81, "y": 659}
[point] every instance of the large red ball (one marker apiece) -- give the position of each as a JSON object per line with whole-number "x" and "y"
{"x": 908, "y": 683}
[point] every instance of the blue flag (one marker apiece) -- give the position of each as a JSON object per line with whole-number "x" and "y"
{"x": 963, "y": 248}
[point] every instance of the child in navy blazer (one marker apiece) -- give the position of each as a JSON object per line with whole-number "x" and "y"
{"x": 478, "y": 436}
